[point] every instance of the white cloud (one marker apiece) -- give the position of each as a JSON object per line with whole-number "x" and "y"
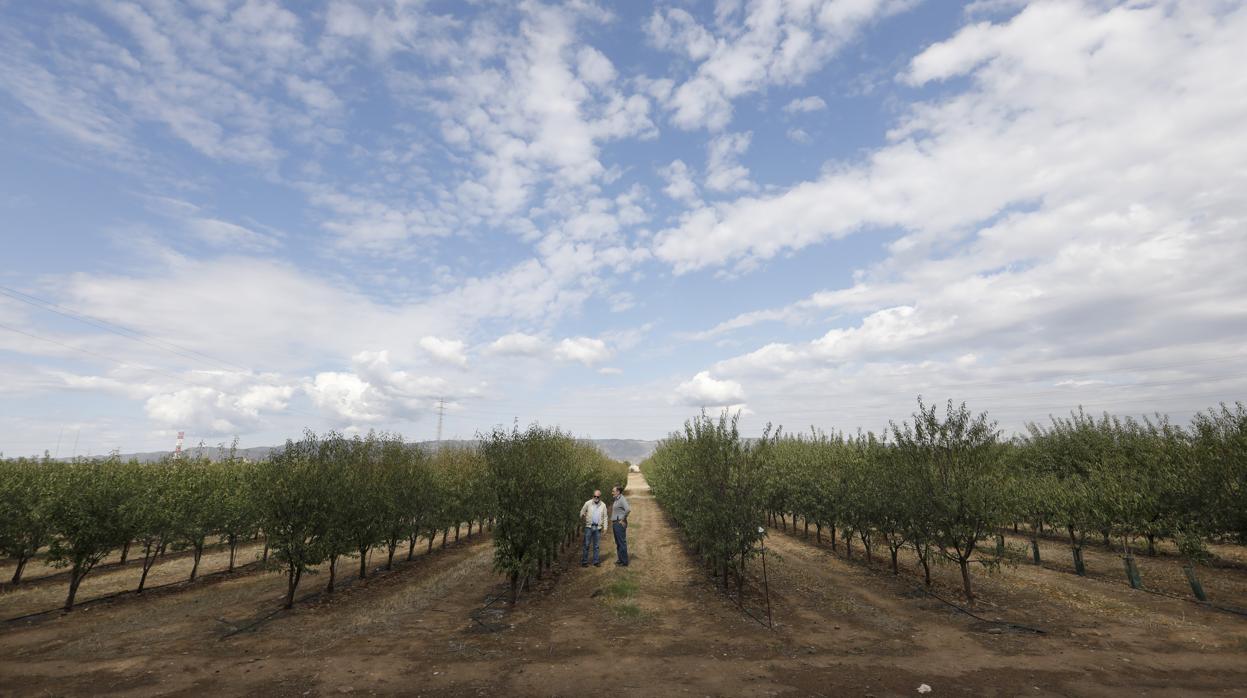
{"x": 769, "y": 43}
{"x": 1056, "y": 125}
{"x": 374, "y": 391}
{"x": 229, "y": 235}
{"x": 1060, "y": 215}
{"x": 449, "y": 351}
{"x": 212, "y": 412}
{"x": 594, "y": 67}
{"x": 723, "y": 169}
{"x": 517, "y": 344}
{"x": 680, "y": 185}
{"x": 346, "y": 396}
{"x": 798, "y": 135}
{"x": 586, "y": 350}
{"x": 313, "y": 93}
{"x": 805, "y": 104}
{"x": 702, "y": 390}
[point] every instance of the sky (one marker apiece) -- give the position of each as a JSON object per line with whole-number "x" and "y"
{"x": 243, "y": 219}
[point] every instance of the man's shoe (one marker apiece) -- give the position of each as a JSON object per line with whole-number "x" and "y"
{"x": 617, "y": 562}
{"x": 597, "y": 564}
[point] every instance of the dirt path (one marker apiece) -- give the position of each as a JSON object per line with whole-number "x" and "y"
{"x": 659, "y": 627}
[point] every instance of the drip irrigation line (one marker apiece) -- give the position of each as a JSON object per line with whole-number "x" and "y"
{"x": 89, "y": 602}
{"x": 1010, "y": 624}
{"x": 1154, "y": 592}
{"x": 1006, "y": 623}
{"x": 133, "y": 561}
{"x": 347, "y": 584}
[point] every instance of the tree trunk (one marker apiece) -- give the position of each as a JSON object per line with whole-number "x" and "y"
{"x": 292, "y": 582}
{"x": 515, "y": 586}
{"x": 848, "y": 547}
{"x": 393, "y": 545}
{"x": 149, "y": 559}
{"x": 75, "y": 578}
{"x": 1035, "y": 550}
{"x": 265, "y": 558}
{"x": 818, "y": 533}
{"x": 21, "y": 565}
{"x": 807, "y": 527}
{"x": 432, "y": 537}
{"x": 868, "y": 545}
{"x": 199, "y": 551}
{"x": 125, "y": 553}
{"x": 1151, "y": 545}
{"x": 457, "y": 532}
{"x": 333, "y": 574}
{"x": 783, "y": 523}
{"x": 445, "y": 534}
{"x": 233, "y": 550}
{"x": 965, "y": 578}
{"x": 924, "y": 556}
{"x": 411, "y": 548}
{"x": 833, "y": 537}
{"x": 363, "y": 562}
{"x": 895, "y": 569}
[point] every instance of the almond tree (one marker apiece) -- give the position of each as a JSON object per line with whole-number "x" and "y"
{"x": 195, "y": 490}
{"x": 90, "y": 513}
{"x": 712, "y": 482}
{"x": 156, "y": 511}
{"x": 296, "y": 498}
{"x": 957, "y": 465}
{"x": 25, "y": 494}
{"x": 1220, "y": 449}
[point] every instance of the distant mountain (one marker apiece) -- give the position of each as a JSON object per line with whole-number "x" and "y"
{"x": 631, "y": 450}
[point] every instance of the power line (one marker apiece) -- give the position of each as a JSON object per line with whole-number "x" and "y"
{"x": 179, "y": 379}
{"x": 128, "y": 333}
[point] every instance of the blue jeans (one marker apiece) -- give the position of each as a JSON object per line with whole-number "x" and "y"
{"x": 621, "y": 541}
{"x": 594, "y": 535}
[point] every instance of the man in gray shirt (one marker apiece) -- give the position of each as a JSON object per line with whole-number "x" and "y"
{"x": 619, "y": 524}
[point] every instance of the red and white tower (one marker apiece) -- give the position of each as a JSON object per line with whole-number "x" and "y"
{"x": 177, "y": 452}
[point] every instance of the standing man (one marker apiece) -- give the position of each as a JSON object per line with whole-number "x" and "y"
{"x": 593, "y": 515}
{"x": 619, "y": 524}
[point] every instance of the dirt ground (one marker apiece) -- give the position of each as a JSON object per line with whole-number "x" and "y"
{"x": 437, "y": 626}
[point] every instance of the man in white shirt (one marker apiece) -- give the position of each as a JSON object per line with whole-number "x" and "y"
{"x": 593, "y": 515}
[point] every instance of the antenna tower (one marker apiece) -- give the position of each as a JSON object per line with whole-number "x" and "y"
{"x": 441, "y": 413}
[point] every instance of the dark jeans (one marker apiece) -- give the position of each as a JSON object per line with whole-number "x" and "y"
{"x": 594, "y": 535}
{"x": 621, "y": 541}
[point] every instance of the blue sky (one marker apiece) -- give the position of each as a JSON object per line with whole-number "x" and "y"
{"x": 238, "y": 218}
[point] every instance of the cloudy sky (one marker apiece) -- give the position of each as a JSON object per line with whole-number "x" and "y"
{"x": 234, "y": 218}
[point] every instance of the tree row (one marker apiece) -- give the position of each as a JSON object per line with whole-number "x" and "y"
{"x": 317, "y": 501}
{"x": 945, "y": 481}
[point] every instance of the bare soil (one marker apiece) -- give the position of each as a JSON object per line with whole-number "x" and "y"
{"x": 439, "y": 625}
